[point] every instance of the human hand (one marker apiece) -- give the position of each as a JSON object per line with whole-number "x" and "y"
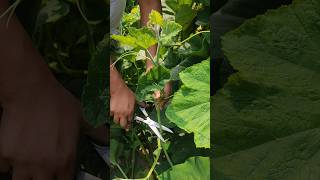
{"x": 122, "y": 104}
{"x": 39, "y": 133}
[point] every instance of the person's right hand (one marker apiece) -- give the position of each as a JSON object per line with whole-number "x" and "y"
{"x": 122, "y": 104}
{"x": 39, "y": 133}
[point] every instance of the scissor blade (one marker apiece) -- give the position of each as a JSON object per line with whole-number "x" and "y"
{"x": 155, "y": 130}
{"x": 143, "y": 110}
{"x": 137, "y": 118}
{"x": 153, "y": 123}
{"x": 166, "y": 129}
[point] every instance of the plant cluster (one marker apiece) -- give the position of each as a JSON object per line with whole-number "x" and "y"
{"x": 182, "y": 58}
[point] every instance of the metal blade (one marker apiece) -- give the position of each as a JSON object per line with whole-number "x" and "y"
{"x": 137, "y": 118}
{"x": 153, "y": 123}
{"x": 143, "y": 110}
{"x": 166, "y": 129}
{"x": 155, "y": 130}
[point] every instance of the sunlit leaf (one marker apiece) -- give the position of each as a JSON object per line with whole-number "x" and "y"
{"x": 170, "y": 30}
{"x": 145, "y": 37}
{"x": 194, "y": 168}
{"x": 190, "y": 106}
{"x": 155, "y": 18}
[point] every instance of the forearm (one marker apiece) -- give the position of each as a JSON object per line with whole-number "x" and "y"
{"x": 116, "y": 81}
{"x": 21, "y": 66}
{"x": 146, "y": 6}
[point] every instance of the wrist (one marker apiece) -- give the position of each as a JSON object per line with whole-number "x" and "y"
{"x": 116, "y": 81}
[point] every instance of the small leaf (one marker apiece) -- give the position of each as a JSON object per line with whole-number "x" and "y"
{"x": 170, "y": 29}
{"x": 126, "y": 42}
{"x": 155, "y": 18}
{"x": 141, "y": 55}
{"x": 132, "y": 17}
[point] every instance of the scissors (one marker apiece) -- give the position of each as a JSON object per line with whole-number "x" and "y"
{"x": 152, "y": 124}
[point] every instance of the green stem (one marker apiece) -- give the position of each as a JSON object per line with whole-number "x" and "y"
{"x": 122, "y": 56}
{"x": 151, "y": 57}
{"x": 133, "y": 152}
{"x": 10, "y": 10}
{"x": 164, "y": 150}
{"x": 84, "y": 16}
{"x": 155, "y": 160}
{"x": 92, "y": 46}
{"x": 122, "y": 172}
{"x": 158, "y": 46}
{"x": 200, "y": 32}
{"x": 67, "y": 70}
{"x": 168, "y": 157}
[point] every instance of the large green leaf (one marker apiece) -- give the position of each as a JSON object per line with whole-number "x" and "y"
{"x": 195, "y": 168}
{"x": 266, "y": 118}
{"x": 95, "y": 98}
{"x": 293, "y": 157}
{"x": 181, "y": 148}
{"x": 190, "y": 107}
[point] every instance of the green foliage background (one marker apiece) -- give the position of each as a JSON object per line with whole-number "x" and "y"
{"x": 266, "y": 116}
{"x": 136, "y": 149}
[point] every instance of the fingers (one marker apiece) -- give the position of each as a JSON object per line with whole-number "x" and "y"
{"x": 123, "y": 121}
{"x": 130, "y": 118}
{"x": 116, "y": 118}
